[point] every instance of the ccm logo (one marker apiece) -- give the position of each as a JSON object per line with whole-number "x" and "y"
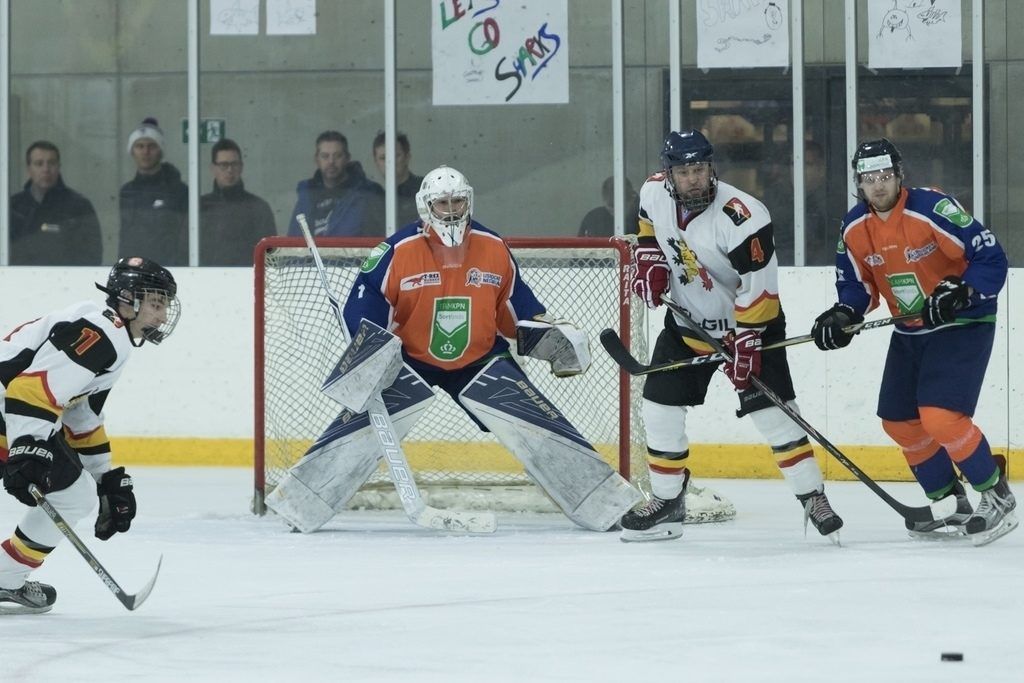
{"x": 37, "y": 451}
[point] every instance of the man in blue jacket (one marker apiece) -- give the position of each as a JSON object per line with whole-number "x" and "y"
{"x": 338, "y": 200}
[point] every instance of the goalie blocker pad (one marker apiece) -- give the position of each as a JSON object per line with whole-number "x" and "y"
{"x": 555, "y": 455}
{"x": 340, "y": 461}
{"x": 563, "y": 345}
{"x": 370, "y": 364}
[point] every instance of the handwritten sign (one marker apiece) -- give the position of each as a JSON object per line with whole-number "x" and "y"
{"x": 234, "y": 17}
{"x": 291, "y": 17}
{"x": 913, "y": 34}
{"x": 496, "y": 52}
{"x": 742, "y": 34}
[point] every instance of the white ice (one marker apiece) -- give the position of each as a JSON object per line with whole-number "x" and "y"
{"x": 372, "y": 598}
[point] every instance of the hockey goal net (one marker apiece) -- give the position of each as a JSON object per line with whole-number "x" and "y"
{"x": 585, "y": 281}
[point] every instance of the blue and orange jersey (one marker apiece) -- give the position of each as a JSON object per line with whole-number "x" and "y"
{"x": 927, "y": 236}
{"x": 451, "y": 307}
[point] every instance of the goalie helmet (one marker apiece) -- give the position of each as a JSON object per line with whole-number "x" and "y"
{"x": 445, "y": 204}
{"x": 684, "y": 149}
{"x": 130, "y": 280}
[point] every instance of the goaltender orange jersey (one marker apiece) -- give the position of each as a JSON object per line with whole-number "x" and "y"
{"x": 448, "y": 315}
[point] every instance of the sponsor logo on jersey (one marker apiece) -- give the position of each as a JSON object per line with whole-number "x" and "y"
{"x": 689, "y": 268}
{"x": 841, "y": 246}
{"x": 874, "y": 260}
{"x": 431, "y": 279}
{"x": 913, "y": 255}
{"x": 374, "y": 257}
{"x": 477, "y": 278}
{"x": 737, "y": 211}
{"x": 908, "y": 292}
{"x": 953, "y": 212}
{"x": 449, "y": 333}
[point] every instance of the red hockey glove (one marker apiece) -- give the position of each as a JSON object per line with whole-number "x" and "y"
{"x": 651, "y": 278}
{"x": 745, "y": 349}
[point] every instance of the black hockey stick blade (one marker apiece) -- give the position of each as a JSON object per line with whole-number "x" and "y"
{"x": 937, "y": 510}
{"x": 127, "y": 599}
{"x": 612, "y": 343}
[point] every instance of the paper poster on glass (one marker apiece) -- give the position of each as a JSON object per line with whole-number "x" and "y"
{"x": 914, "y": 34}
{"x": 742, "y": 34}
{"x": 234, "y": 17}
{"x": 500, "y": 52}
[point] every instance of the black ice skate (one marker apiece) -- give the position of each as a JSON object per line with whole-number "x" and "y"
{"x": 819, "y": 512}
{"x": 658, "y": 519}
{"x": 947, "y": 528}
{"x": 994, "y": 517}
{"x": 32, "y": 598}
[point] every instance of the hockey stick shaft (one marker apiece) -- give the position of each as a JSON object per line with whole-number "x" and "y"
{"x": 620, "y": 354}
{"x": 398, "y": 465}
{"x": 913, "y": 514}
{"x": 128, "y": 600}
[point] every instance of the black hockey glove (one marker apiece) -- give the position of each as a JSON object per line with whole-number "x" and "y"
{"x": 29, "y": 462}
{"x": 951, "y": 295}
{"x": 117, "y": 503}
{"x": 828, "y": 327}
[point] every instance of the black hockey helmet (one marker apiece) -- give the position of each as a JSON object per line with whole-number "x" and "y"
{"x": 130, "y": 280}
{"x": 876, "y": 155}
{"x": 682, "y": 149}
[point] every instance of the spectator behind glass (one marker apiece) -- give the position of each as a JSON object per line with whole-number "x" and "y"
{"x": 232, "y": 220}
{"x": 338, "y": 200}
{"x": 820, "y": 231}
{"x": 154, "y": 204}
{"x": 407, "y": 182}
{"x": 51, "y": 224}
{"x": 599, "y": 222}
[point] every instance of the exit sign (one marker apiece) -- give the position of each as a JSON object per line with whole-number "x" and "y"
{"x": 210, "y": 130}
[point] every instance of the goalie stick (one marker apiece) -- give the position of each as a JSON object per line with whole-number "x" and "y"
{"x": 928, "y": 513}
{"x": 130, "y": 601}
{"x": 418, "y": 511}
{"x": 612, "y": 343}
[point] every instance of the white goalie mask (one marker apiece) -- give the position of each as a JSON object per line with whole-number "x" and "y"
{"x": 445, "y": 204}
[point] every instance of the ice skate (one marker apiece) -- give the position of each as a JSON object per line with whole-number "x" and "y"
{"x": 32, "y": 598}
{"x": 948, "y": 528}
{"x": 995, "y": 515}
{"x": 819, "y": 512}
{"x": 658, "y": 519}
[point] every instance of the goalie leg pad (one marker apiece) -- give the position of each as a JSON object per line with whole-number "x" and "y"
{"x": 370, "y": 364}
{"x": 555, "y": 455}
{"x": 343, "y": 458}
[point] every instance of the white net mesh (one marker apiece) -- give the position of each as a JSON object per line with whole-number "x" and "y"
{"x": 300, "y": 343}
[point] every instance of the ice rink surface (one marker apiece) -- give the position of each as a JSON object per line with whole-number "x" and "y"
{"x": 372, "y": 598}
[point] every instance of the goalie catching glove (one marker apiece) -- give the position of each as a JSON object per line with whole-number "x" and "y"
{"x": 117, "y": 503}
{"x": 562, "y": 344}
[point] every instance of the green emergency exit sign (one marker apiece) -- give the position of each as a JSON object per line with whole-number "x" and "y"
{"x": 210, "y": 130}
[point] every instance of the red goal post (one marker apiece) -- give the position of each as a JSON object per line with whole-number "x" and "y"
{"x": 583, "y": 280}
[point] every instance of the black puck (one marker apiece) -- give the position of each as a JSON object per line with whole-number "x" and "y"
{"x": 952, "y": 657}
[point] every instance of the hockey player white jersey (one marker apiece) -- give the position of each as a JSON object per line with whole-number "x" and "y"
{"x": 722, "y": 259}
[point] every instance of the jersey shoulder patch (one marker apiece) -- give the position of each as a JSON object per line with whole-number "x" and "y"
{"x": 85, "y": 344}
{"x": 374, "y": 257}
{"x": 737, "y": 211}
{"x": 950, "y": 209}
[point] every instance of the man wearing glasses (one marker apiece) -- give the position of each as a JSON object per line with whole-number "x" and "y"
{"x": 922, "y": 252}
{"x": 232, "y": 220}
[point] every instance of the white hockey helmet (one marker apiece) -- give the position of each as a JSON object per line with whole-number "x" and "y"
{"x": 445, "y": 203}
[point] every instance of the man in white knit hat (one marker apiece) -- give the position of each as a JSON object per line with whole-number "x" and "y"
{"x": 154, "y": 204}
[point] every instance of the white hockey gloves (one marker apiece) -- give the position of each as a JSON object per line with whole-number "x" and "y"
{"x": 561, "y": 343}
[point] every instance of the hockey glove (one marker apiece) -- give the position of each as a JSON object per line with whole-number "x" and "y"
{"x": 745, "y": 349}
{"x": 117, "y": 503}
{"x": 651, "y": 278}
{"x": 828, "y": 327}
{"x": 29, "y": 462}
{"x": 951, "y": 295}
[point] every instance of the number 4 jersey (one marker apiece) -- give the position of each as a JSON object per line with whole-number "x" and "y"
{"x": 56, "y": 372}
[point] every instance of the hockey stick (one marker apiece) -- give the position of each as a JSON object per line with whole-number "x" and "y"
{"x": 612, "y": 343}
{"x": 935, "y": 511}
{"x": 128, "y": 600}
{"x": 398, "y": 465}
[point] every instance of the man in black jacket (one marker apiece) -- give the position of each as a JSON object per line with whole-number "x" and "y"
{"x": 232, "y": 220}
{"x": 154, "y": 204}
{"x": 51, "y": 224}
